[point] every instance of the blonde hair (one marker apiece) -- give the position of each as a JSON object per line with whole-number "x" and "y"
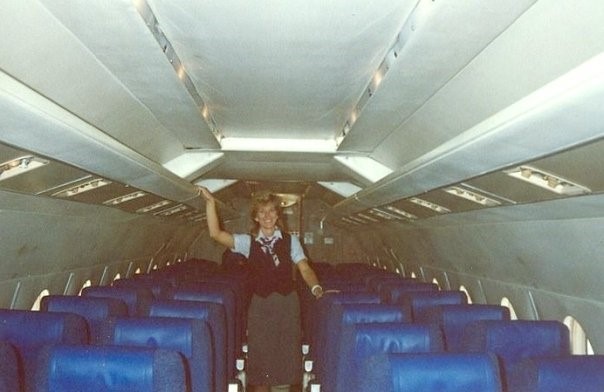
{"x": 260, "y": 200}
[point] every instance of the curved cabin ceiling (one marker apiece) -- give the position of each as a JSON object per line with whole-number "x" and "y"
{"x": 362, "y": 104}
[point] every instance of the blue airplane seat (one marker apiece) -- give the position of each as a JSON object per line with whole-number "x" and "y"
{"x": 513, "y": 341}
{"x": 320, "y": 310}
{"x": 109, "y": 368}
{"x": 361, "y": 341}
{"x": 158, "y": 287}
{"x": 421, "y": 302}
{"x": 214, "y": 315}
{"x": 136, "y": 298}
{"x": 430, "y": 372}
{"x": 391, "y": 291}
{"x": 348, "y": 314}
{"x": 9, "y": 368}
{"x": 94, "y": 310}
{"x": 583, "y": 373}
{"x": 192, "y": 338}
{"x": 30, "y": 331}
{"x": 454, "y": 318}
{"x": 218, "y": 294}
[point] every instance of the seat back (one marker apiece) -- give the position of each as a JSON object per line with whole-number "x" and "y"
{"x": 136, "y": 298}
{"x": 94, "y": 310}
{"x": 431, "y": 372}
{"x": 214, "y": 315}
{"x": 29, "y": 332}
{"x": 348, "y": 314}
{"x": 583, "y": 373}
{"x": 219, "y": 294}
{"x": 9, "y": 368}
{"x": 513, "y": 341}
{"x": 157, "y": 286}
{"x": 361, "y": 341}
{"x": 454, "y": 318}
{"x": 103, "y": 368}
{"x": 421, "y": 302}
{"x": 190, "y": 337}
{"x": 391, "y": 291}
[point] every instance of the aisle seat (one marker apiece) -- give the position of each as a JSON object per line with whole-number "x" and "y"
{"x": 102, "y": 368}
{"x": 9, "y": 368}
{"x": 136, "y": 298}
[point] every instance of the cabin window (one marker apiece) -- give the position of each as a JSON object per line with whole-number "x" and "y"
{"x": 138, "y": 271}
{"x": 117, "y": 276}
{"x": 435, "y": 281}
{"x": 155, "y": 267}
{"x": 398, "y": 271}
{"x": 579, "y": 343}
{"x": 506, "y": 302}
{"x": 465, "y": 290}
{"x": 413, "y": 276}
{"x": 88, "y": 283}
{"x": 36, "y": 305}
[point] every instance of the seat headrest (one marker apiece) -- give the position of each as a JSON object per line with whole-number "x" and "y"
{"x": 136, "y": 298}
{"x": 25, "y": 328}
{"x": 431, "y": 372}
{"x": 583, "y": 373}
{"x": 515, "y": 340}
{"x": 101, "y": 368}
{"x": 91, "y": 308}
{"x": 373, "y": 313}
{"x": 421, "y": 302}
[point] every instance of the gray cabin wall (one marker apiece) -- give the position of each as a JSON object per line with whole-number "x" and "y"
{"x": 59, "y": 245}
{"x": 546, "y": 258}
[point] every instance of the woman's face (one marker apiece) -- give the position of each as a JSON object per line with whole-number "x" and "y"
{"x": 267, "y": 217}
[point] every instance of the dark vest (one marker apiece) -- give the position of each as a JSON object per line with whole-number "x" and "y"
{"x": 266, "y": 278}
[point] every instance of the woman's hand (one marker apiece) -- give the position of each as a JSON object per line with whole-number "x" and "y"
{"x": 207, "y": 195}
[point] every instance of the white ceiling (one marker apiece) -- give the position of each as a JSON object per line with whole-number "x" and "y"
{"x": 294, "y": 71}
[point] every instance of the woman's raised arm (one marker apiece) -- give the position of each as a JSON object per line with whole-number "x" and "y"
{"x": 216, "y": 233}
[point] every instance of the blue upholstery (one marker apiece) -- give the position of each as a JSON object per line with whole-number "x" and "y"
{"x": 136, "y": 298}
{"x": 213, "y": 314}
{"x": 584, "y": 373}
{"x": 9, "y": 368}
{"x": 94, "y": 310}
{"x": 104, "y": 369}
{"x": 434, "y": 372}
{"x": 30, "y": 331}
{"x": 513, "y": 341}
{"x": 157, "y": 286}
{"x": 218, "y": 294}
{"x": 392, "y": 291}
{"x": 349, "y": 314}
{"x": 360, "y": 341}
{"x": 190, "y": 337}
{"x": 454, "y": 318}
{"x": 421, "y": 302}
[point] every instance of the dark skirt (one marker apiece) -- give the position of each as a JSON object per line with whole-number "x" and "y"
{"x": 274, "y": 340}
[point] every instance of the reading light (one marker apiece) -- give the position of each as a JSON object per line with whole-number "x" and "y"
{"x": 125, "y": 198}
{"x": 472, "y": 196}
{"x": 402, "y": 213}
{"x": 429, "y": 205}
{"x": 82, "y": 188}
{"x": 546, "y": 180}
{"x": 367, "y": 217}
{"x": 152, "y": 207}
{"x": 20, "y": 165}
{"x": 172, "y": 210}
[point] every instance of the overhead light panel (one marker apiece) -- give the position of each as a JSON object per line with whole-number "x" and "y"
{"x": 172, "y": 210}
{"x": 125, "y": 198}
{"x": 82, "y": 188}
{"x": 472, "y": 195}
{"x": 277, "y": 145}
{"x": 153, "y": 207}
{"x": 428, "y": 204}
{"x": 20, "y": 165}
{"x": 191, "y": 162}
{"x": 366, "y": 167}
{"x": 402, "y": 213}
{"x": 383, "y": 214}
{"x": 214, "y": 185}
{"x": 350, "y": 221}
{"x": 367, "y": 217}
{"x": 344, "y": 189}
{"x": 546, "y": 180}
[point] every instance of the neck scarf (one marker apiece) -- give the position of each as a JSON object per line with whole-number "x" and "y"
{"x": 267, "y": 245}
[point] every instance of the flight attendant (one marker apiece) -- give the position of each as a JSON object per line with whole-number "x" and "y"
{"x": 274, "y": 328}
